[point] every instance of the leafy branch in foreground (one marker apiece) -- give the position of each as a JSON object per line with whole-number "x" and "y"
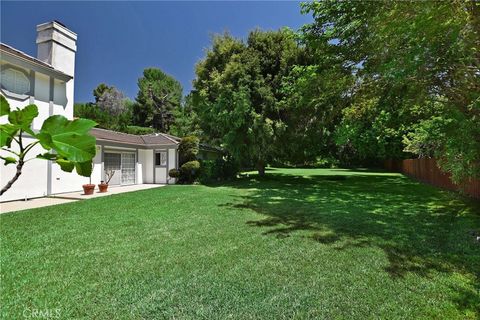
{"x": 66, "y": 142}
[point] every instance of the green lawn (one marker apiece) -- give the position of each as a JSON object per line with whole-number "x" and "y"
{"x": 297, "y": 244}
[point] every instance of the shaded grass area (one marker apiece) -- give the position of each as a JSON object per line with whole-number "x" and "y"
{"x": 299, "y": 243}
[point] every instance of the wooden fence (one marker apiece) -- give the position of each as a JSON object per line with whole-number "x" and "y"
{"x": 427, "y": 171}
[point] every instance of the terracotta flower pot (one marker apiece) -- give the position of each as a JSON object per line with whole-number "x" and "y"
{"x": 103, "y": 187}
{"x": 88, "y": 189}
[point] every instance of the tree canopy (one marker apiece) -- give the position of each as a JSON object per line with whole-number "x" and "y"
{"x": 364, "y": 82}
{"x": 111, "y": 109}
{"x": 159, "y": 95}
{"x": 417, "y": 86}
{"x": 238, "y": 91}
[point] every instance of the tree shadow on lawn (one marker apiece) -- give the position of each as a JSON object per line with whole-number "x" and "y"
{"x": 420, "y": 228}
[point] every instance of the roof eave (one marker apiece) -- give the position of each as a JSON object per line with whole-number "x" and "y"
{"x": 38, "y": 67}
{"x": 136, "y": 145}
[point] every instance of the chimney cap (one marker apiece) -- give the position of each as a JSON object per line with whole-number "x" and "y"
{"x": 59, "y": 26}
{"x": 60, "y": 23}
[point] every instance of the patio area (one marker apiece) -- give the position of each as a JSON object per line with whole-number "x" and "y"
{"x": 70, "y": 197}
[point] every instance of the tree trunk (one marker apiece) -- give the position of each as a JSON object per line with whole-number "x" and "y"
{"x": 261, "y": 168}
{"x": 15, "y": 177}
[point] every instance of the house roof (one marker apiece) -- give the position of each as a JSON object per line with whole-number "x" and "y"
{"x": 159, "y": 138}
{"x": 148, "y": 140}
{"x": 6, "y": 49}
{"x": 203, "y": 146}
{"x": 143, "y": 141}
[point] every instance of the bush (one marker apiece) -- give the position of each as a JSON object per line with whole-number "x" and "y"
{"x": 210, "y": 171}
{"x": 220, "y": 169}
{"x": 174, "y": 173}
{"x": 139, "y": 130}
{"x": 326, "y": 162}
{"x": 188, "y": 149}
{"x": 190, "y": 166}
{"x": 189, "y": 171}
{"x": 230, "y": 168}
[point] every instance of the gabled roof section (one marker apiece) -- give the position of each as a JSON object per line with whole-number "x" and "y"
{"x": 159, "y": 138}
{"x": 177, "y": 139}
{"x": 38, "y": 65}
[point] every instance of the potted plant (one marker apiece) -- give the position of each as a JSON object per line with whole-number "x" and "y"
{"x": 103, "y": 186}
{"x": 88, "y": 188}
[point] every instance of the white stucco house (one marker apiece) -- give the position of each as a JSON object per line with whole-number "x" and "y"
{"x": 48, "y": 81}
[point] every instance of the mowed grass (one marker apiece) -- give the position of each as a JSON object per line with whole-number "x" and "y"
{"x": 299, "y": 243}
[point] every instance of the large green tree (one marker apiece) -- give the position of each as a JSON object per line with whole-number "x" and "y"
{"x": 111, "y": 109}
{"x": 159, "y": 95}
{"x": 238, "y": 90}
{"x": 315, "y": 93}
{"x": 416, "y": 67}
{"x": 100, "y": 90}
{"x": 186, "y": 120}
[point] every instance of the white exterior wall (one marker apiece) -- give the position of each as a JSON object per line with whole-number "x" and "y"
{"x": 41, "y": 177}
{"x": 33, "y": 180}
{"x": 97, "y": 172}
{"x": 43, "y": 113}
{"x": 139, "y": 169}
{"x": 63, "y": 182}
{"x": 41, "y": 99}
{"x": 160, "y": 175}
{"x": 42, "y": 87}
{"x": 172, "y": 164}
{"x": 144, "y": 166}
{"x": 61, "y": 104}
{"x": 63, "y": 99}
{"x": 148, "y": 165}
{"x": 60, "y": 98}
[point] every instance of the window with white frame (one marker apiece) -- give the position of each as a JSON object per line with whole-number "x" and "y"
{"x": 161, "y": 158}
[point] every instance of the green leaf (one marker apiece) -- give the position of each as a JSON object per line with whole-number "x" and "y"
{"x": 45, "y": 140}
{"x": 75, "y": 147}
{"x": 84, "y": 168}
{"x": 65, "y": 165}
{"x": 8, "y": 160}
{"x": 23, "y": 118}
{"x": 70, "y": 139}
{"x": 4, "y": 106}
{"x": 59, "y": 124}
{"x": 7, "y": 132}
{"x": 47, "y": 156}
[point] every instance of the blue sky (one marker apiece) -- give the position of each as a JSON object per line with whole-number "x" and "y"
{"x": 117, "y": 40}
